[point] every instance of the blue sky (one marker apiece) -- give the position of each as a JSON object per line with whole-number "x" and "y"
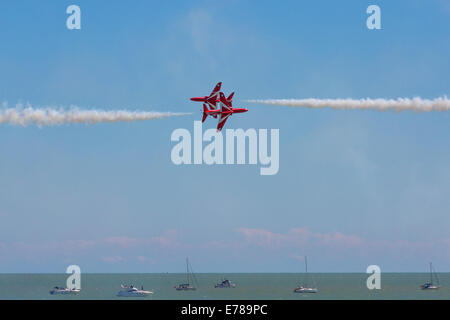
{"x": 354, "y": 187}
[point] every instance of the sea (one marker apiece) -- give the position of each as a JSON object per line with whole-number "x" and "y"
{"x": 249, "y": 286}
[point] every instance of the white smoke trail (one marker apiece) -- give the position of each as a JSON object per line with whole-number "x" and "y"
{"x": 28, "y": 115}
{"x": 399, "y": 104}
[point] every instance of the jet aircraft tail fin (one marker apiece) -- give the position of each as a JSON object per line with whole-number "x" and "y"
{"x": 205, "y": 114}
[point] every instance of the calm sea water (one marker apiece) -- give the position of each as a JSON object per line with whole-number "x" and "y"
{"x": 248, "y": 286}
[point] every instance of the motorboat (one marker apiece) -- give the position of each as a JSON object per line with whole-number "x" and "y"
{"x": 132, "y": 291}
{"x": 225, "y": 284}
{"x": 301, "y": 289}
{"x": 59, "y": 290}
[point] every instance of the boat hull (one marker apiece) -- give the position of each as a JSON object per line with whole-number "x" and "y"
{"x": 305, "y": 290}
{"x": 430, "y": 288}
{"x": 222, "y": 286}
{"x": 185, "y": 289}
{"x": 134, "y": 294}
{"x": 65, "y": 292}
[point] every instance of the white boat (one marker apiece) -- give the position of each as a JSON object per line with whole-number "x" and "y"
{"x": 301, "y": 289}
{"x": 131, "y": 291}
{"x": 189, "y": 274}
{"x": 225, "y": 284}
{"x": 58, "y": 290}
{"x": 430, "y": 285}
{"x": 304, "y": 288}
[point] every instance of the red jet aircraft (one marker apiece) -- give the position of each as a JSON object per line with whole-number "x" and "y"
{"x": 212, "y": 99}
{"x": 226, "y": 108}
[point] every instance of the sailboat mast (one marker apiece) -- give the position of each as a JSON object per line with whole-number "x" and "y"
{"x": 431, "y": 273}
{"x": 306, "y": 271}
{"x": 187, "y": 270}
{"x": 306, "y": 264}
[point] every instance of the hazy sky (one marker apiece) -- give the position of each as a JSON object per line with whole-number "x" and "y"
{"x": 354, "y": 188}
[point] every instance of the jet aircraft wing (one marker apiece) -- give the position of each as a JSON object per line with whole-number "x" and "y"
{"x": 223, "y": 118}
{"x": 216, "y": 90}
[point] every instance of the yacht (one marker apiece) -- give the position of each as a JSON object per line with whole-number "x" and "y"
{"x": 185, "y": 287}
{"x": 225, "y": 284}
{"x": 301, "y": 289}
{"x": 189, "y": 275}
{"x": 430, "y": 285}
{"x": 304, "y": 288}
{"x": 59, "y": 290}
{"x": 131, "y": 291}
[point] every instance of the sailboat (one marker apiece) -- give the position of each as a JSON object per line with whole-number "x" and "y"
{"x": 430, "y": 285}
{"x": 189, "y": 274}
{"x": 304, "y": 288}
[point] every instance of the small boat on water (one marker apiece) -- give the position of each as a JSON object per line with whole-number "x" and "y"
{"x": 185, "y": 287}
{"x": 301, "y": 289}
{"x": 59, "y": 290}
{"x": 132, "y": 291}
{"x": 304, "y": 288}
{"x": 430, "y": 285}
{"x": 225, "y": 284}
{"x": 190, "y": 275}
